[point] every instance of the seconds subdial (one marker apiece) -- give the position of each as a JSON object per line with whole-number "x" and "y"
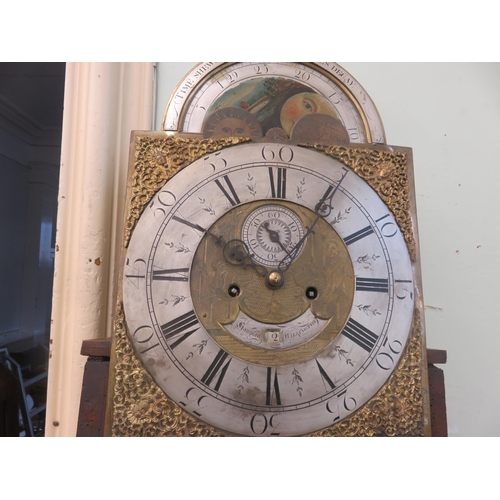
{"x": 271, "y": 232}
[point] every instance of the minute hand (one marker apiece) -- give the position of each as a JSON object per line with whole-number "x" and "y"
{"x": 323, "y": 209}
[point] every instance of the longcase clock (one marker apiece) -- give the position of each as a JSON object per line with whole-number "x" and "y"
{"x": 270, "y": 280}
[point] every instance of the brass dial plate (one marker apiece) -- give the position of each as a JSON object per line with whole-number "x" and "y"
{"x": 324, "y": 264}
{"x": 232, "y": 392}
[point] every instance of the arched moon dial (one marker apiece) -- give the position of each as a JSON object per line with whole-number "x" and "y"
{"x": 278, "y": 95}
{"x": 271, "y": 232}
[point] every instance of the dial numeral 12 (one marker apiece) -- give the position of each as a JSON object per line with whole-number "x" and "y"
{"x": 278, "y": 186}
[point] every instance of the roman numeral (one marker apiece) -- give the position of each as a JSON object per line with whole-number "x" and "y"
{"x": 272, "y": 384}
{"x": 362, "y": 233}
{"x": 360, "y": 335}
{"x": 372, "y": 285}
{"x": 278, "y": 187}
{"x": 324, "y": 376}
{"x": 233, "y": 200}
{"x": 180, "y": 326}
{"x": 170, "y": 274}
{"x": 189, "y": 224}
{"x": 215, "y": 368}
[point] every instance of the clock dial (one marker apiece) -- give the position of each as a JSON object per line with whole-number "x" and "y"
{"x": 272, "y": 232}
{"x": 279, "y": 96}
{"x": 237, "y": 352}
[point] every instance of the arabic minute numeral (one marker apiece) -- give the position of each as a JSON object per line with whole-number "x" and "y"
{"x": 388, "y": 229}
{"x": 143, "y": 336}
{"x": 384, "y": 359}
{"x": 349, "y": 403}
{"x": 332, "y": 406}
{"x": 404, "y": 291}
{"x": 194, "y": 398}
{"x": 283, "y": 154}
{"x": 260, "y": 423}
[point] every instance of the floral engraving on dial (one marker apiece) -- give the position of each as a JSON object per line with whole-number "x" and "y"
{"x": 368, "y": 310}
{"x": 297, "y": 379}
{"x": 342, "y": 215}
{"x": 343, "y": 355}
{"x": 301, "y": 189}
{"x": 366, "y": 260}
{"x": 252, "y": 188}
{"x": 244, "y": 379}
{"x": 176, "y": 299}
{"x": 207, "y": 207}
{"x": 198, "y": 349}
{"x": 179, "y": 248}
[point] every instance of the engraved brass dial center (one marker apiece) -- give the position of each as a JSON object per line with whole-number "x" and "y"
{"x": 272, "y": 298}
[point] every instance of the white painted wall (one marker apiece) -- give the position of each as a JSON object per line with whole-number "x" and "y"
{"x": 449, "y": 113}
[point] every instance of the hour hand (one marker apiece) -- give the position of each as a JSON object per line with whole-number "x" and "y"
{"x": 236, "y": 253}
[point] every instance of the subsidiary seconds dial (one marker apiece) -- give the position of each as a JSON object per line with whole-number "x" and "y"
{"x": 271, "y": 232}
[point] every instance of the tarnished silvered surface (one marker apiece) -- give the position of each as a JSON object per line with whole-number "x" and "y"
{"x": 141, "y": 408}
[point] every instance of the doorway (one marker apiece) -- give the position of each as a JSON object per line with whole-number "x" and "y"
{"x": 31, "y": 110}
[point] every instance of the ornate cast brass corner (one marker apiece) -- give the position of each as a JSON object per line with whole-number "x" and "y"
{"x": 157, "y": 159}
{"x": 140, "y": 407}
{"x": 386, "y": 171}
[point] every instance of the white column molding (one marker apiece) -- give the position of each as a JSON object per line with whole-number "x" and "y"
{"x": 103, "y": 102}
